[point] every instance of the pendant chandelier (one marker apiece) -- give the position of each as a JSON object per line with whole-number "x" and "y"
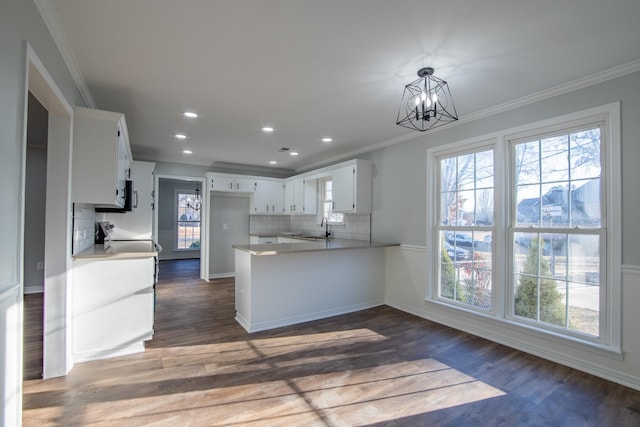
{"x": 426, "y": 103}
{"x": 197, "y": 199}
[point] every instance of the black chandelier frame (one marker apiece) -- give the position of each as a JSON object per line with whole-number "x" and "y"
{"x": 426, "y": 103}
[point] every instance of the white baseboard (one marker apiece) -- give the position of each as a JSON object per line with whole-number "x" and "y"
{"x": 88, "y": 356}
{"x": 33, "y": 289}
{"x": 287, "y": 321}
{"x": 522, "y": 345}
{"x": 222, "y": 275}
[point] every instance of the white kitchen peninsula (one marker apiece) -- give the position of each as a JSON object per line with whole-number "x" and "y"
{"x": 288, "y": 283}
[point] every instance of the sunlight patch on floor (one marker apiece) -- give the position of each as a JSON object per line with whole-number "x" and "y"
{"x": 342, "y": 398}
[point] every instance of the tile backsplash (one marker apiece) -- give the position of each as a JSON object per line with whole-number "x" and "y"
{"x": 84, "y": 226}
{"x": 356, "y": 227}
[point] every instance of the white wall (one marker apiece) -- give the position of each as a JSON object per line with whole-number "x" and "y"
{"x": 228, "y": 226}
{"x": 400, "y": 216}
{"x": 35, "y": 196}
{"x": 20, "y": 23}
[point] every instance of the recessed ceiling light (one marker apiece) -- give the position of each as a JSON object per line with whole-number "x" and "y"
{"x": 327, "y": 140}
{"x": 273, "y": 162}
{"x": 180, "y": 136}
{"x": 267, "y": 129}
{"x": 293, "y": 153}
{"x": 190, "y": 114}
{"x": 187, "y": 152}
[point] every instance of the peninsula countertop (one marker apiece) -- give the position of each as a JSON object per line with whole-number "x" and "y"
{"x": 120, "y": 249}
{"x": 310, "y": 245}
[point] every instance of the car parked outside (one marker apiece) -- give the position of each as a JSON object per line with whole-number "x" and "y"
{"x": 459, "y": 239}
{"x": 456, "y": 253}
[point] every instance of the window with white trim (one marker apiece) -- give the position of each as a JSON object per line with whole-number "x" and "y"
{"x": 327, "y": 203}
{"x": 187, "y": 222}
{"x": 465, "y": 230}
{"x": 524, "y": 227}
{"x": 558, "y": 231}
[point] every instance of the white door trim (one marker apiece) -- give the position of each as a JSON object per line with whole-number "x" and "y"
{"x": 57, "y": 357}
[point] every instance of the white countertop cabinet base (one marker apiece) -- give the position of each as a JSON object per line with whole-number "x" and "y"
{"x": 113, "y": 307}
{"x": 285, "y": 289}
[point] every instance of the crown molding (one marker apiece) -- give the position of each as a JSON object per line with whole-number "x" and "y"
{"x": 52, "y": 21}
{"x": 610, "y": 74}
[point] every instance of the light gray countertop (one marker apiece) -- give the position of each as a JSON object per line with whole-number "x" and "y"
{"x": 120, "y": 249}
{"x": 317, "y": 245}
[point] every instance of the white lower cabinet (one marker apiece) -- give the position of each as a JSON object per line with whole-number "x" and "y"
{"x": 256, "y": 240}
{"x": 288, "y": 240}
{"x": 112, "y": 307}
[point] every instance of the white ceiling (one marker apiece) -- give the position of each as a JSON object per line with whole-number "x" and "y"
{"x": 316, "y": 68}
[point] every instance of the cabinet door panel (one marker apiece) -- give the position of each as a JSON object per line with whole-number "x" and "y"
{"x": 244, "y": 185}
{"x": 343, "y": 189}
{"x": 100, "y": 157}
{"x": 222, "y": 183}
{"x": 267, "y": 197}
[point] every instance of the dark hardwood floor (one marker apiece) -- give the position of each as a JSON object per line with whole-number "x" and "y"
{"x": 377, "y": 367}
{"x": 32, "y": 337}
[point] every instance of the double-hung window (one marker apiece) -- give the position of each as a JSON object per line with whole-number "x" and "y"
{"x": 465, "y": 229}
{"x": 557, "y": 228}
{"x": 525, "y": 229}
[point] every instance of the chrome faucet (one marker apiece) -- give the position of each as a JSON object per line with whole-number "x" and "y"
{"x": 325, "y": 223}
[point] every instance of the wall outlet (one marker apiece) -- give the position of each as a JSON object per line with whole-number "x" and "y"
{"x": 40, "y": 265}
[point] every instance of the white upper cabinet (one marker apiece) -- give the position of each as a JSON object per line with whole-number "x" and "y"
{"x": 136, "y": 224}
{"x": 268, "y": 196}
{"x": 300, "y": 196}
{"x": 310, "y": 196}
{"x": 224, "y": 182}
{"x": 101, "y": 156}
{"x": 352, "y": 187}
{"x": 293, "y": 195}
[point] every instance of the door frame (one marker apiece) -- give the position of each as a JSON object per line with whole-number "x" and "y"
{"x": 204, "y": 223}
{"x": 57, "y": 327}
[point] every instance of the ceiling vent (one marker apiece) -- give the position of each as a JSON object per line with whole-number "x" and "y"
{"x": 284, "y": 150}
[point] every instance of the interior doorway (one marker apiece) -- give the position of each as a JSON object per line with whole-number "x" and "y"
{"x": 178, "y": 217}
{"x": 34, "y": 236}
